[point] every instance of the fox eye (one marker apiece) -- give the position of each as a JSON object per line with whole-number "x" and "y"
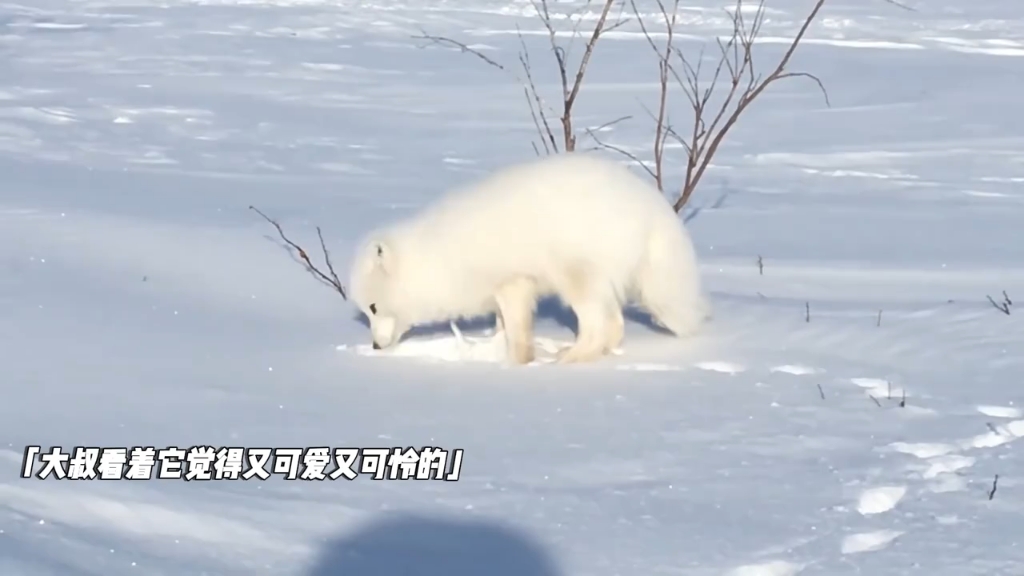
{"x": 373, "y": 308}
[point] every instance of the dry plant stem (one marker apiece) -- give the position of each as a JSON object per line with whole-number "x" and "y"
{"x": 331, "y": 280}
{"x": 710, "y": 124}
{"x": 744, "y": 85}
{"x": 701, "y": 152}
{"x": 661, "y": 131}
{"x": 1004, "y": 306}
{"x": 535, "y": 101}
{"x": 529, "y": 88}
{"x": 897, "y": 4}
{"x": 570, "y": 93}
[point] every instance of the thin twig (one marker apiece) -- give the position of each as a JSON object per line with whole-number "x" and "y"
{"x": 903, "y": 6}
{"x": 571, "y": 92}
{"x": 1003, "y": 307}
{"x": 331, "y": 280}
{"x": 611, "y": 147}
{"x": 461, "y": 46}
{"x": 743, "y": 86}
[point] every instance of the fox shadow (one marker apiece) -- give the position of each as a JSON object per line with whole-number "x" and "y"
{"x": 414, "y": 545}
{"x": 550, "y": 308}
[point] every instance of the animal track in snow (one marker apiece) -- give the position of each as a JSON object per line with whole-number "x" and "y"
{"x": 946, "y": 464}
{"x": 880, "y": 499}
{"x": 997, "y": 436}
{"x": 923, "y": 449}
{"x": 941, "y": 460}
{"x": 869, "y": 541}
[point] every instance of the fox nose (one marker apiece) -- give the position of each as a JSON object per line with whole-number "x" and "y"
{"x": 376, "y": 346}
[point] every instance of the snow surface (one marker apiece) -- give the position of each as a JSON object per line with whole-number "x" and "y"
{"x": 143, "y": 304}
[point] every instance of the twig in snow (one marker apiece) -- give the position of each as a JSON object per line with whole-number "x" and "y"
{"x": 821, "y": 391}
{"x": 807, "y": 314}
{"x": 875, "y": 400}
{"x": 995, "y": 486}
{"x": 879, "y": 322}
{"x": 331, "y": 280}
{"x": 1004, "y": 306}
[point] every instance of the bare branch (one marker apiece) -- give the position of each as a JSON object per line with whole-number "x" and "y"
{"x": 742, "y": 38}
{"x": 661, "y": 132}
{"x": 571, "y": 92}
{"x": 612, "y": 123}
{"x": 530, "y": 93}
{"x": 534, "y": 97}
{"x": 735, "y": 67}
{"x": 571, "y": 84}
{"x": 713, "y": 117}
{"x": 1003, "y": 306}
{"x": 622, "y": 151}
{"x": 463, "y": 47}
{"x": 817, "y": 81}
{"x": 331, "y": 280}
{"x": 898, "y": 5}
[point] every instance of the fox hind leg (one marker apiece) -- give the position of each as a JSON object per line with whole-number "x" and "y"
{"x": 598, "y": 327}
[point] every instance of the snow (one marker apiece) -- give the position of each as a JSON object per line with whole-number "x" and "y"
{"x": 855, "y": 409}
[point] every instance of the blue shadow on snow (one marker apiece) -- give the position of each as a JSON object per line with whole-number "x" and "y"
{"x": 413, "y": 545}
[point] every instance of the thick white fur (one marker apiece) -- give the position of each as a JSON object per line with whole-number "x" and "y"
{"x": 573, "y": 225}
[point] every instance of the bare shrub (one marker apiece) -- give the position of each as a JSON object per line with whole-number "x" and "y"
{"x": 539, "y": 112}
{"x": 711, "y": 120}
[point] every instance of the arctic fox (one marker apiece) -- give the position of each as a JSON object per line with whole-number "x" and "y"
{"x": 573, "y": 225}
